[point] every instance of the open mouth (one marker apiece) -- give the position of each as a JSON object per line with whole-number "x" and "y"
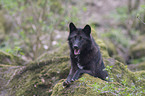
{"x": 76, "y": 51}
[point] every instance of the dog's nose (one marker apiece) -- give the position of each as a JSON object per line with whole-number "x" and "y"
{"x": 75, "y": 47}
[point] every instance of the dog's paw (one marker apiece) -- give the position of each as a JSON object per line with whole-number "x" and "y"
{"x": 66, "y": 83}
{"x": 74, "y": 79}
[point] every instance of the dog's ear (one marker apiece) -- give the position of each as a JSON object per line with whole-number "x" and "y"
{"x": 72, "y": 27}
{"x": 87, "y": 30}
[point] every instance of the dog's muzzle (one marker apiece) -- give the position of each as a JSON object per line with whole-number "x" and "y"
{"x": 76, "y": 50}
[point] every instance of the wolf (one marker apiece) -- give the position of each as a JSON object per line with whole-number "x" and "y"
{"x": 85, "y": 55}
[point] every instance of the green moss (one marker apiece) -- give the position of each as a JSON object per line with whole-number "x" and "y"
{"x": 42, "y": 77}
{"x": 123, "y": 81}
{"x": 3, "y": 65}
{"x": 58, "y": 53}
{"x": 101, "y": 44}
{"x": 119, "y": 58}
{"x": 137, "y": 49}
{"x": 137, "y": 67}
{"x": 39, "y": 78}
{"x": 6, "y": 58}
{"x": 102, "y": 48}
{"x": 82, "y": 87}
{"x": 110, "y": 48}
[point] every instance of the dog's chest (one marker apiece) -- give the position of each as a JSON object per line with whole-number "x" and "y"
{"x": 80, "y": 67}
{"x": 79, "y": 63}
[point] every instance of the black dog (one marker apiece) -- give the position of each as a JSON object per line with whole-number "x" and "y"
{"x": 84, "y": 54}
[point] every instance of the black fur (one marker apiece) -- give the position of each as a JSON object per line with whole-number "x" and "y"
{"x": 84, "y": 54}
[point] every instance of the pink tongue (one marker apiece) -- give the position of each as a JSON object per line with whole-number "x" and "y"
{"x": 76, "y": 52}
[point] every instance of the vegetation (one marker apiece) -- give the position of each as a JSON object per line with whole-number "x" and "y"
{"x": 34, "y": 55}
{"x": 35, "y": 25}
{"x": 123, "y": 82}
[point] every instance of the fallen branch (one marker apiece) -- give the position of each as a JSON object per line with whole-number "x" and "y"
{"x": 140, "y": 20}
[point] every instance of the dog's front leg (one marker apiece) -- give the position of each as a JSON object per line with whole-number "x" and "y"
{"x": 68, "y": 80}
{"x": 73, "y": 69}
{"x": 80, "y": 72}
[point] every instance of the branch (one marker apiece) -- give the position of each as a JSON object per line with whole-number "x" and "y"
{"x": 140, "y": 20}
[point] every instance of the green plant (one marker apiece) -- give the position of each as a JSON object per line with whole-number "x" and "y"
{"x": 140, "y": 12}
{"x": 119, "y": 91}
{"x": 37, "y": 24}
{"x": 136, "y": 61}
{"x": 120, "y": 14}
{"x": 117, "y": 36}
{"x": 15, "y": 51}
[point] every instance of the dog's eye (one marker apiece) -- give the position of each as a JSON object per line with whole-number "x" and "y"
{"x": 75, "y": 37}
{"x": 80, "y": 38}
{"x": 69, "y": 39}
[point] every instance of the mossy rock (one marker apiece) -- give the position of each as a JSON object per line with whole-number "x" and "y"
{"x": 110, "y": 48}
{"x": 112, "y": 51}
{"x": 119, "y": 58}
{"x": 9, "y": 59}
{"x": 124, "y": 82}
{"x": 39, "y": 78}
{"x": 81, "y": 87}
{"x": 57, "y": 53}
{"x": 137, "y": 67}
{"x": 45, "y": 77}
{"x": 9, "y": 65}
{"x": 137, "y": 49}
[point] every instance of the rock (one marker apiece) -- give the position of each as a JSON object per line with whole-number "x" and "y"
{"x": 137, "y": 67}
{"x": 137, "y": 49}
{"x": 119, "y": 58}
{"x": 82, "y": 87}
{"x": 9, "y": 66}
{"x": 45, "y": 76}
{"x": 110, "y": 47}
{"x": 9, "y": 59}
{"x": 114, "y": 52}
{"x": 123, "y": 81}
{"x": 39, "y": 78}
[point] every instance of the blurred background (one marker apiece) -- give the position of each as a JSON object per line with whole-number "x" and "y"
{"x": 31, "y": 28}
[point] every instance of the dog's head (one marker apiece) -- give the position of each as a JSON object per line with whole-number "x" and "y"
{"x": 79, "y": 38}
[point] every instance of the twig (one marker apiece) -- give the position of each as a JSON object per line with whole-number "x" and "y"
{"x": 141, "y": 20}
